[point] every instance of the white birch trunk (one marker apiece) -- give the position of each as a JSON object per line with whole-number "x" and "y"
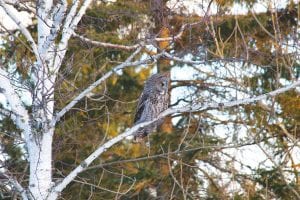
{"x": 40, "y": 179}
{"x": 38, "y": 128}
{"x": 40, "y": 144}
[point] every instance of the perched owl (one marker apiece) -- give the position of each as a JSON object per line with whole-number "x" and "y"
{"x": 153, "y": 100}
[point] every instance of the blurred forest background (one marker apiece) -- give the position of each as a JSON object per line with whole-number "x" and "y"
{"x": 243, "y": 152}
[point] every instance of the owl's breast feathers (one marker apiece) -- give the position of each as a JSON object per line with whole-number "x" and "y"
{"x": 150, "y": 106}
{"x": 148, "y": 110}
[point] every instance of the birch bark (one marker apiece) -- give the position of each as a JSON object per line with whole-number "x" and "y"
{"x": 39, "y": 125}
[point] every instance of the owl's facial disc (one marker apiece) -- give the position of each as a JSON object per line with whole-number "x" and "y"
{"x": 163, "y": 87}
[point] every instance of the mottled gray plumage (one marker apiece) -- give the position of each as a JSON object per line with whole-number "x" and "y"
{"x": 153, "y": 100}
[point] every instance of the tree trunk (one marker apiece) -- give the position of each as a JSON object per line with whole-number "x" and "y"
{"x": 163, "y": 65}
{"x": 40, "y": 144}
{"x": 40, "y": 155}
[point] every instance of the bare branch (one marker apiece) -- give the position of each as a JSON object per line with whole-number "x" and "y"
{"x": 184, "y": 26}
{"x": 167, "y": 154}
{"x": 192, "y": 62}
{"x": 197, "y": 107}
{"x": 21, "y": 26}
{"x": 57, "y": 17}
{"x": 44, "y": 23}
{"x": 4, "y": 177}
{"x": 194, "y": 108}
{"x": 70, "y": 25}
{"x": 179, "y": 34}
{"x": 107, "y": 45}
{"x": 84, "y": 93}
{"x": 71, "y": 14}
{"x": 133, "y": 47}
{"x": 262, "y": 26}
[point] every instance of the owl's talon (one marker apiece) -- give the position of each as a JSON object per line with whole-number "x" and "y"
{"x": 138, "y": 140}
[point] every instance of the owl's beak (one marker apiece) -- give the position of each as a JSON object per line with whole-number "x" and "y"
{"x": 162, "y": 92}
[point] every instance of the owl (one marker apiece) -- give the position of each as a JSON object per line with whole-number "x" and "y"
{"x": 153, "y": 100}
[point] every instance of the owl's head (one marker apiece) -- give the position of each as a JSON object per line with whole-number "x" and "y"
{"x": 159, "y": 83}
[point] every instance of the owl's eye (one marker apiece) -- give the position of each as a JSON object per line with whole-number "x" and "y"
{"x": 162, "y": 84}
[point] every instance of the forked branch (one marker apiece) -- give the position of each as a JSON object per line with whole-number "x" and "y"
{"x": 187, "y": 109}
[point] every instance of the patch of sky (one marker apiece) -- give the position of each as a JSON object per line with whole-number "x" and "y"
{"x": 148, "y": 23}
{"x": 225, "y": 131}
{"x": 284, "y": 82}
{"x": 200, "y": 7}
{"x": 3, "y": 100}
{"x": 247, "y": 159}
{"x": 275, "y": 105}
{"x": 146, "y": 56}
{"x": 2, "y": 42}
{"x": 290, "y": 45}
{"x": 223, "y": 172}
{"x": 184, "y": 72}
{"x": 295, "y": 153}
{"x": 123, "y": 31}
